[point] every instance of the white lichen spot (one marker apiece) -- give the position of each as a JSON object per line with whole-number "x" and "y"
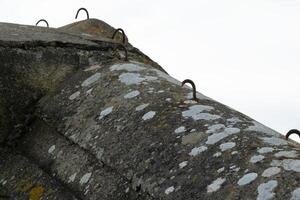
{"x": 130, "y": 67}
{"x": 226, "y": 146}
{"x": 183, "y": 164}
{"x": 265, "y": 190}
{"x": 132, "y": 94}
{"x": 190, "y": 101}
{"x": 214, "y": 128}
{"x": 296, "y": 194}
{"x": 74, "y": 95}
{"x": 3, "y": 182}
{"x": 93, "y": 67}
{"x": 274, "y": 141}
{"x": 166, "y": 77}
{"x": 258, "y": 127}
{"x": 149, "y": 115}
{"x": 215, "y": 185}
{"x": 247, "y": 178}
{"x": 287, "y": 164}
{"x": 287, "y": 154}
{"x": 91, "y": 80}
{"x": 168, "y": 99}
{"x": 141, "y": 107}
{"x": 51, "y": 149}
{"x": 197, "y": 150}
{"x": 218, "y": 154}
{"x": 72, "y": 178}
{"x": 221, "y": 170}
{"x": 169, "y": 190}
{"x": 134, "y": 78}
{"x": 234, "y": 152}
{"x": 256, "y": 158}
{"x": 264, "y": 150}
{"x": 180, "y": 129}
{"x": 106, "y": 112}
{"x": 85, "y": 178}
{"x": 214, "y": 138}
{"x": 195, "y": 112}
{"x": 234, "y": 120}
{"x": 271, "y": 171}
{"x": 89, "y": 92}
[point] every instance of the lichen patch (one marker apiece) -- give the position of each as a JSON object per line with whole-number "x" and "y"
{"x": 91, "y": 80}
{"x": 215, "y": 185}
{"x": 197, "y": 150}
{"x": 141, "y": 107}
{"x": 105, "y": 112}
{"x": 256, "y": 158}
{"x": 148, "y": 115}
{"x": 85, "y": 178}
{"x": 287, "y": 154}
{"x": 183, "y": 164}
{"x": 287, "y": 164}
{"x": 265, "y": 190}
{"x": 192, "y": 138}
{"x": 296, "y": 194}
{"x": 72, "y": 178}
{"x": 271, "y": 171}
{"x": 180, "y": 129}
{"x": 195, "y": 112}
{"x": 51, "y": 149}
{"x": 274, "y": 141}
{"x": 226, "y": 146}
{"x": 132, "y": 94}
{"x": 134, "y": 78}
{"x": 247, "y": 178}
{"x": 74, "y": 95}
{"x": 264, "y": 150}
{"x": 216, "y": 137}
{"x": 169, "y": 190}
{"x": 130, "y": 67}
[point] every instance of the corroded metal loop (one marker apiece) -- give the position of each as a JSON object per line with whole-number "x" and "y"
{"x": 125, "y": 50}
{"x": 193, "y": 86}
{"x": 87, "y": 13}
{"x": 42, "y": 20}
{"x": 293, "y": 131}
{"x": 123, "y": 33}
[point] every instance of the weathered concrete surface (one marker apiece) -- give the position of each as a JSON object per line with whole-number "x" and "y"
{"x": 110, "y": 129}
{"x": 20, "y": 179}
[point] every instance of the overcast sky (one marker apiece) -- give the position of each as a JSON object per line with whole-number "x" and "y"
{"x": 244, "y": 54}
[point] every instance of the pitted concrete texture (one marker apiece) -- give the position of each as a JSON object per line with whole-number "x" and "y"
{"x": 99, "y": 127}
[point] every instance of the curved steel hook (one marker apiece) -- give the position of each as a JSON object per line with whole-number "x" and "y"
{"x": 87, "y": 13}
{"x": 293, "y": 131}
{"x": 193, "y": 86}
{"x": 42, "y": 20}
{"x": 115, "y": 33}
{"x": 125, "y": 50}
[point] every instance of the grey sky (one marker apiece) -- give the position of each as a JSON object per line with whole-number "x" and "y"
{"x": 244, "y": 54}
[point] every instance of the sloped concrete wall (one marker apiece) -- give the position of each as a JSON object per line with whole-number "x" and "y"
{"x": 99, "y": 127}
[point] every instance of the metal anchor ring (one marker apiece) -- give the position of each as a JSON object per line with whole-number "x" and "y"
{"x": 193, "y": 86}
{"x": 42, "y": 20}
{"x": 123, "y": 33}
{"x": 293, "y": 131}
{"x": 87, "y": 13}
